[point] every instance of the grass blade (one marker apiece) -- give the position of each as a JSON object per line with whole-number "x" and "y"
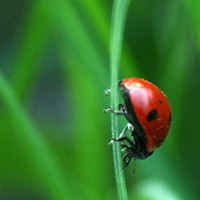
{"x": 118, "y": 20}
{"x": 193, "y": 8}
{"x": 30, "y": 51}
{"x": 96, "y": 13}
{"x": 34, "y": 144}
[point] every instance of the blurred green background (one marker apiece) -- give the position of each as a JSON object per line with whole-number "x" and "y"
{"x": 54, "y": 68}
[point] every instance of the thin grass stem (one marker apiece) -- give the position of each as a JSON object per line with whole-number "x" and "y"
{"x": 120, "y": 8}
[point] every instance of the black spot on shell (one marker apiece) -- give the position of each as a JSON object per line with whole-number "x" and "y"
{"x": 152, "y": 115}
{"x": 170, "y": 118}
{"x": 161, "y": 102}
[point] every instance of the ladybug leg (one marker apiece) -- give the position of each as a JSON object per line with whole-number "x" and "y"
{"x": 120, "y": 139}
{"x": 127, "y": 127}
{"x": 124, "y": 146}
{"x": 121, "y": 111}
{"x": 124, "y": 110}
{"x": 122, "y": 107}
{"x": 109, "y": 109}
{"x": 126, "y": 159}
{"x": 107, "y": 91}
{"x": 133, "y": 146}
{"x": 133, "y": 133}
{"x": 123, "y": 139}
{"x": 128, "y": 149}
{"x": 123, "y": 131}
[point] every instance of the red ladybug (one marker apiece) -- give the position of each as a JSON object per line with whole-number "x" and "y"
{"x": 148, "y": 113}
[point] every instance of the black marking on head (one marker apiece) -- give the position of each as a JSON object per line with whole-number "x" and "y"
{"x": 170, "y": 118}
{"x": 161, "y": 102}
{"x": 152, "y": 115}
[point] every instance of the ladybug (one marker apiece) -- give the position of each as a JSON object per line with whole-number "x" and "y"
{"x": 148, "y": 113}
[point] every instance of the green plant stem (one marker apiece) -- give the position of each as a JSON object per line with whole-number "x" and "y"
{"x": 120, "y": 8}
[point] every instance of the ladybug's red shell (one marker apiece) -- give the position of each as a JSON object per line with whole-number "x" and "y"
{"x": 151, "y": 108}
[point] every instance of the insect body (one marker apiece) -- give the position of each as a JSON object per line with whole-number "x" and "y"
{"x": 148, "y": 113}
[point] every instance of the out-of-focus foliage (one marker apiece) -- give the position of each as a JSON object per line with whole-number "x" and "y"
{"x": 54, "y": 68}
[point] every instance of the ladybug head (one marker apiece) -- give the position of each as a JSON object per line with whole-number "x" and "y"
{"x": 134, "y": 153}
